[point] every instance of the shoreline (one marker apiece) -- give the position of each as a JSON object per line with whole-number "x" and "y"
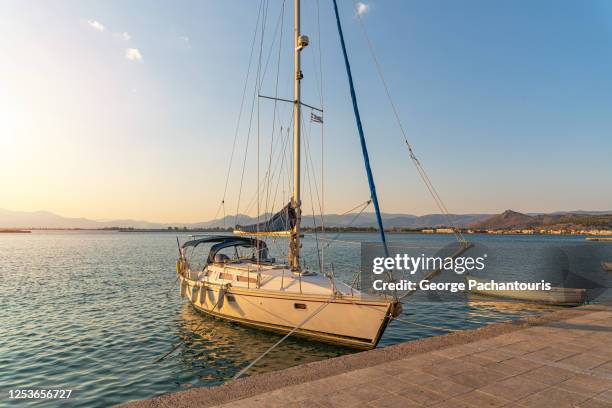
{"x": 260, "y": 384}
{"x": 587, "y": 237}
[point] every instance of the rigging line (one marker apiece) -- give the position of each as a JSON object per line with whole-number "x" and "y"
{"x": 246, "y": 81}
{"x": 278, "y": 64}
{"x": 311, "y": 168}
{"x": 253, "y": 198}
{"x": 279, "y": 21}
{"x": 246, "y": 150}
{"x": 258, "y": 87}
{"x": 280, "y": 168}
{"x": 280, "y": 154}
{"x": 314, "y": 219}
{"x": 416, "y": 162}
{"x": 306, "y": 320}
{"x": 367, "y": 203}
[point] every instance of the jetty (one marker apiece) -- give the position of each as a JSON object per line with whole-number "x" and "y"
{"x": 558, "y": 359}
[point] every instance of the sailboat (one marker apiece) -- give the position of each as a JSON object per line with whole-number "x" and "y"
{"x": 240, "y": 281}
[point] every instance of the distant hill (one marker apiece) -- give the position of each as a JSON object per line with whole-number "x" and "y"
{"x": 508, "y": 219}
{"x": 45, "y": 219}
{"x": 514, "y": 220}
{"x": 364, "y": 220}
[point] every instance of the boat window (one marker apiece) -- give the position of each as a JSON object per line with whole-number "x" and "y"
{"x": 241, "y": 278}
{"x": 299, "y": 305}
{"x": 226, "y": 276}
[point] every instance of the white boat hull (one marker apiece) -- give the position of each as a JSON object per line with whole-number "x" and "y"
{"x": 344, "y": 320}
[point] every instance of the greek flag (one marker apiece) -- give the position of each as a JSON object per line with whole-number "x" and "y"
{"x": 316, "y": 118}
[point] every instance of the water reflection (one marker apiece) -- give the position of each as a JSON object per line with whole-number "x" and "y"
{"x": 484, "y": 307}
{"x": 219, "y": 348}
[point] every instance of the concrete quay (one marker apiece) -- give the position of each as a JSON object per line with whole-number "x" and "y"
{"x": 561, "y": 359}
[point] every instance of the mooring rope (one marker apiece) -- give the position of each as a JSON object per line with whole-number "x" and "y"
{"x": 245, "y": 369}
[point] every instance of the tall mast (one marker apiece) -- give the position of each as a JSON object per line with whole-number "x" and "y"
{"x": 299, "y": 43}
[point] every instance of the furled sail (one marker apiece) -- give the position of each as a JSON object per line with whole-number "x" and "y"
{"x": 280, "y": 224}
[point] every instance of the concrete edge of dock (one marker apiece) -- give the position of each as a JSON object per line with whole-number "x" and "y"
{"x": 262, "y": 383}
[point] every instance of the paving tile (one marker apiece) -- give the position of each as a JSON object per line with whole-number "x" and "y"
{"x": 394, "y": 401}
{"x": 549, "y": 354}
{"x": 586, "y": 385}
{"x": 552, "y": 397}
{"x": 263, "y": 401}
{"x": 366, "y": 393}
{"x": 494, "y": 356}
{"x": 458, "y": 351}
{"x": 425, "y": 360}
{"x": 514, "y": 388}
{"x": 594, "y": 403}
{"x": 514, "y": 366}
{"x": 472, "y": 359}
{"x": 388, "y": 383}
{"x": 549, "y": 375}
{"x": 339, "y": 399}
{"x": 606, "y": 396}
{"x": 394, "y": 368}
{"x": 447, "y": 388}
{"x": 480, "y": 399}
{"x": 421, "y": 395}
{"x": 303, "y": 404}
{"x": 347, "y": 380}
{"x": 478, "y": 378}
{"x": 605, "y": 369}
{"x": 524, "y": 347}
{"x": 450, "y": 368}
{"x": 417, "y": 377}
{"x": 584, "y": 361}
{"x": 451, "y": 403}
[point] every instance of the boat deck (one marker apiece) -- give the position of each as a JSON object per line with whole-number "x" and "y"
{"x": 276, "y": 278}
{"x": 556, "y": 360}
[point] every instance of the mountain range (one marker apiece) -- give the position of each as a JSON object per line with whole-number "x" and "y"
{"x": 576, "y": 219}
{"x": 508, "y": 219}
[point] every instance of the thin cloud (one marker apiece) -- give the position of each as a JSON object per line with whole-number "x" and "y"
{"x": 133, "y": 54}
{"x": 361, "y": 8}
{"x": 96, "y": 25}
{"x": 184, "y": 38}
{"x": 126, "y": 36}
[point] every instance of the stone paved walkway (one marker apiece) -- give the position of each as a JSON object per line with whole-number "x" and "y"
{"x": 560, "y": 363}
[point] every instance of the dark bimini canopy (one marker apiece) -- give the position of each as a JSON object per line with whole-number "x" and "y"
{"x": 225, "y": 241}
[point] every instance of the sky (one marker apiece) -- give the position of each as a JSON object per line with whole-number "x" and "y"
{"x": 128, "y": 109}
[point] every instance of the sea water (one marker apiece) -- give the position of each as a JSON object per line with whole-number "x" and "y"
{"x": 93, "y": 311}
